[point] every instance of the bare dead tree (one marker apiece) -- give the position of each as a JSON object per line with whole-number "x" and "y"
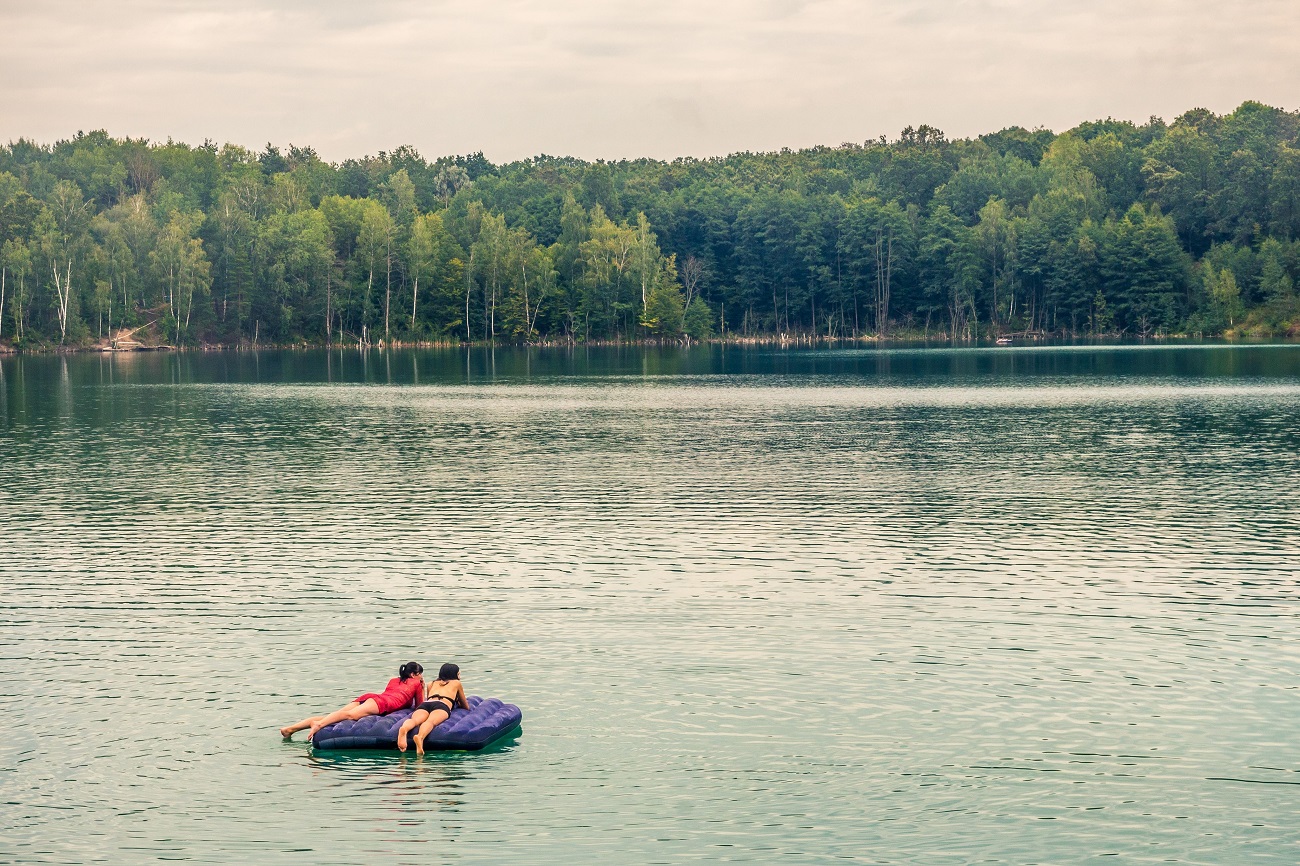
{"x": 692, "y": 272}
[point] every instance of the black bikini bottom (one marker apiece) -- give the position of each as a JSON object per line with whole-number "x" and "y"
{"x": 430, "y": 706}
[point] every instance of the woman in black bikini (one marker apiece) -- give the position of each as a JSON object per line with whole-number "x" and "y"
{"x": 443, "y": 695}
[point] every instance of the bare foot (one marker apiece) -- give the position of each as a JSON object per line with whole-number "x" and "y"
{"x": 401, "y": 741}
{"x": 286, "y": 733}
{"x": 419, "y": 744}
{"x": 312, "y": 732}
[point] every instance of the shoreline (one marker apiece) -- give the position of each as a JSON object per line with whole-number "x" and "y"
{"x": 1006, "y": 341}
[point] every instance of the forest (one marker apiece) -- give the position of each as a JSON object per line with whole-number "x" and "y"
{"x": 1112, "y": 229}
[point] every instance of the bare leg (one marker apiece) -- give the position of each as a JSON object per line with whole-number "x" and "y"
{"x": 351, "y": 711}
{"x": 415, "y": 719}
{"x": 289, "y": 730}
{"x": 436, "y": 718}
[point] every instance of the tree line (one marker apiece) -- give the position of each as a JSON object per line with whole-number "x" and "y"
{"x": 1111, "y": 228}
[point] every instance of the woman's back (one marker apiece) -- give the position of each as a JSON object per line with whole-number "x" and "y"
{"x": 444, "y": 689}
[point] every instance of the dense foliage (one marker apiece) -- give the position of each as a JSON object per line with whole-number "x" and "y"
{"x": 1110, "y": 228}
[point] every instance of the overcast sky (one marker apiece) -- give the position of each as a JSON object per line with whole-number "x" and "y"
{"x": 604, "y": 78}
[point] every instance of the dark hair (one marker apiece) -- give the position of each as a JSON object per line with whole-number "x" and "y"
{"x": 448, "y": 672}
{"x": 409, "y": 670}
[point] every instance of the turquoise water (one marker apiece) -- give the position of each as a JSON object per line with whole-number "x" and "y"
{"x": 914, "y": 606}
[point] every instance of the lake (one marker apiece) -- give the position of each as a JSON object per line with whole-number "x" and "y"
{"x": 1002, "y": 605}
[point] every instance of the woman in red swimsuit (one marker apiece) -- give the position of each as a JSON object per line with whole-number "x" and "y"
{"x": 403, "y": 690}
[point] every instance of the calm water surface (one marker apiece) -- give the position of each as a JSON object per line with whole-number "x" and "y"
{"x": 916, "y": 606}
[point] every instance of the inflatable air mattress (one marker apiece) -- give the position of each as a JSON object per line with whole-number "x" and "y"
{"x": 486, "y": 721}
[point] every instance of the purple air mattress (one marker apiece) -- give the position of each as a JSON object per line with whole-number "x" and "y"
{"x": 486, "y": 721}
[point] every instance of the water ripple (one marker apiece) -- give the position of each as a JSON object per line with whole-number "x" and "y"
{"x": 810, "y": 616}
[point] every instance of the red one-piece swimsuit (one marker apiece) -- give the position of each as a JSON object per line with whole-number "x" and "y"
{"x": 397, "y": 695}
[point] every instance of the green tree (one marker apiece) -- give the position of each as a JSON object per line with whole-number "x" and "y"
{"x": 1181, "y": 173}
{"x": 1284, "y": 193}
{"x": 376, "y": 238}
{"x": 1143, "y": 270}
{"x": 698, "y": 319}
{"x": 182, "y": 267}
{"x": 399, "y": 195}
{"x": 492, "y": 250}
{"x": 996, "y": 233}
{"x": 431, "y": 257}
{"x": 1101, "y": 320}
{"x": 1275, "y": 283}
{"x": 300, "y": 260}
{"x": 664, "y": 310}
{"x": 567, "y": 255}
{"x": 1224, "y": 293}
{"x": 607, "y": 261}
{"x": 16, "y": 264}
{"x": 62, "y": 228}
{"x": 530, "y": 281}
{"x": 946, "y": 270}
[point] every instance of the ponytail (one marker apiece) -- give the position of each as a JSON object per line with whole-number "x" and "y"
{"x": 409, "y": 670}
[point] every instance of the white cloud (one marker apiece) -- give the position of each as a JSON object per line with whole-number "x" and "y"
{"x": 614, "y": 79}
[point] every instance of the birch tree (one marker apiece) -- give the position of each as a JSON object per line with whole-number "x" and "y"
{"x": 531, "y": 279}
{"x": 429, "y": 254}
{"x": 492, "y": 252}
{"x": 16, "y": 260}
{"x": 647, "y": 257}
{"x": 375, "y": 247}
{"x": 63, "y": 230}
{"x": 182, "y": 267}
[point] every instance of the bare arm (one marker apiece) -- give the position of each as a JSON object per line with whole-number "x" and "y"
{"x": 460, "y": 695}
